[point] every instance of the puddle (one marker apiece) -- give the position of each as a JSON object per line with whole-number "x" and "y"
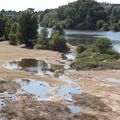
{"x": 65, "y": 79}
{"x": 3, "y": 118}
{"x": 4, "y": 97}
{"x": 69, "y": 56}
{"x": 37, "y": 88}
{"x": 67, "y": 91}
{"x": 112, "y": 80}
{"x": 75, "y": 109}
{"x": 37, "y": 66}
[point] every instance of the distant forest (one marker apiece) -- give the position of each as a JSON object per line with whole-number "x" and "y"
{"x": 83, "y": 15}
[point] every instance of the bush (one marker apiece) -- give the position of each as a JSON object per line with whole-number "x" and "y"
{"x": 12, "y": 38}
{"x": 81, "y": 48}
{"x": 105, "y": 27}
{"x": 42, "y": 40}
{"x": 115, "y": 27}
{"x": 102, "y": 45}
{"x": 58, "y": 42}
{"x": 100, "y": 24}
{"x": 99, "y": 55}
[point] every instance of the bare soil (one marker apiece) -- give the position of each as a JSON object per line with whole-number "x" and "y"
{"x": 100, "y": 99}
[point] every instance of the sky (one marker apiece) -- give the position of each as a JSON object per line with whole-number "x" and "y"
{"x": 38, "y": 4}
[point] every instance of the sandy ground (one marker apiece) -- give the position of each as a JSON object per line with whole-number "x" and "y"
{"x": 91, "y": 82}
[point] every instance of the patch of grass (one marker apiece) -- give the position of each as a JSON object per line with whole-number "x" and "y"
{"x": 87, "y": 116}
{"x": 92, "y": 102}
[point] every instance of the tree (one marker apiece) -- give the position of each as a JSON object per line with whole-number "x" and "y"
{"x": 7, "y": 28}
{"x": 13, "y": 35}
{"x": 43, "y": 40}
{"x": 105, "y": 27}
{"x": 100, "y": 24}
{"x": 58, "y": 42}
{"x": 89, "y": 22}
{"x": 28, "y": 28}
{"x": 115, "y": 27}
{"x": 2, "y": 25}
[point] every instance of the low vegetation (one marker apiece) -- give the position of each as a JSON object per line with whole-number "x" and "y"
{"x": 90, "y": 101}
{"x": 99, "y": 55}
{"x": 56, "y": 41}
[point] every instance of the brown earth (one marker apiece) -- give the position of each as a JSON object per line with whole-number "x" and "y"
{"x": 98, "y": 93}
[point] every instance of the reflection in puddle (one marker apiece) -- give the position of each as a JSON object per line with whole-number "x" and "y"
{"x": 37, "y": 66}
{"x": 43, "y": 91}
{"x": 69, "y": 56}
{"x": 68, "y": 91}
{"x": 40, "y": 89}
{"x": 112, "y": 80}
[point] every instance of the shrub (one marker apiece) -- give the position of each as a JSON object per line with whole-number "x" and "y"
{"x": 115, "y": 27}
{"x": 81, "y": 48}
{"x": 42, "y": 40}
{"x": 102, "y": 45}
{"x": 58, "y": 42}
{"x": 12, "y": 38}
{"x": 100, "y": 24}
{"x": 105, "y": 27}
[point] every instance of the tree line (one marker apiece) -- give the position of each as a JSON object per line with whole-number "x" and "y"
{"x": 83, "y": 15}
{"x": 24, "y": 30}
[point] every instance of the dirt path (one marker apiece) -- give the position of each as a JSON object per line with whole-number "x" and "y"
{"x": 91, "y": 82}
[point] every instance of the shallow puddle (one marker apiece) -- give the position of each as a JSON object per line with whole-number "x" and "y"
{"x": 69, "y": 56}
{"x": 37, "y": 88}
{"x": 112, "y": 80}
{"x": 3, "y": 118}
{"x": 75, "y": 109}
{"x": 4, "y": 97}
{"x": 65, "y": 79}
{"x": 67, "y": 91}
{"x": 37, "y": 66}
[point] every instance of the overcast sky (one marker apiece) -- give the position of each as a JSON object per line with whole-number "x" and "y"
{"x": 38, "y": 4}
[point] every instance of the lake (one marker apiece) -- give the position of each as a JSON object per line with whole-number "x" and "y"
{"x": 74, "y": 37}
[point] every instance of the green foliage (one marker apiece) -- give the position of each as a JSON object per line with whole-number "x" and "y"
{"x": 7, "y": 28}
{"x": 2, "y": 25}
{"x": 42, "y": 40}
{"x": 99, "y": 55}
{"x": 102, "y": 45}
{"x": 100, "y": 24}
{"x": 81, "y": 14}
{"x": 12, "y": 38}
{"x": 13, "y": 35}
{"x": 28, "y": 28}
{"x": 105, "y": 27}
{"x": 115, "y": 27}
{"x": 58, "y": 42}
{"x": 81, "y": 48}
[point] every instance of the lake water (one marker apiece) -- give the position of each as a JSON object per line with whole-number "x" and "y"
{"x": 75, "y": 37}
